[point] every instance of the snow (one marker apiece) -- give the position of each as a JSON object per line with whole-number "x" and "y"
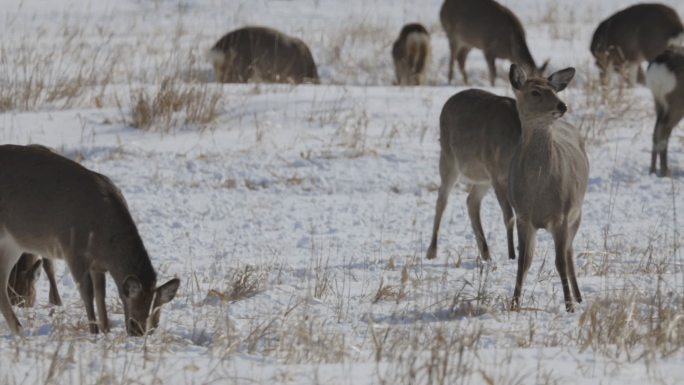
{"x": 322, "y": 195}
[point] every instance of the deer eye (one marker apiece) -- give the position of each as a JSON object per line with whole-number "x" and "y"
{"x": 536, "y": 93}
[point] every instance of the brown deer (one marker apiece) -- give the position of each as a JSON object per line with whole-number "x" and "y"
{"x": 54, "y": 207}
{"x": 635, "y": 34}
{"x": 411, "y": 54}
{"x": 665, "y": 78}
{"x": 264, "y": 55}
{"x": 489, "y": 26}
{"x": 548, "y": 176}
{"x": 23, "y": 277}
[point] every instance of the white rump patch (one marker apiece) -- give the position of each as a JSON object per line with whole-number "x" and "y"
{"x": 661, "y": 82}
{"x": 676, "y": 41}
{"x": 417, "y": 38}
{"x": 216, "y": 57}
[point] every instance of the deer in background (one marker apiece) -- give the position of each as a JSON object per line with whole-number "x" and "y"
{"x": 411, "y": 54}
{"x": 548, "y": 176}
{"x": 262, "y": 54}
{"x": 23, "y": 277}
{"x": 489, "y": 26}
{"x": 665, "y": 78}
{"x": 635, "y": 34}
{"x": 54, "y": 207}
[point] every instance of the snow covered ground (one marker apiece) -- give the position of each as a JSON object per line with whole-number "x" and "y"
{"x": 299, "y": 216}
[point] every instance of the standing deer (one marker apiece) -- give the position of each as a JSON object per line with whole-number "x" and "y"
{"x": 262, "y": 54}
{"x": 54, "y": 207}
{"x": 635, "y": 34}
{"x": 548, "y": 176}
{"x": 489, "y": 26}
{"x": 411, "y": 54}
{"x": 21, "y": 285}
{"x": 665, "y": 78}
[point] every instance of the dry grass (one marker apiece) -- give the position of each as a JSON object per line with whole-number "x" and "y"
{"x": 174, "y": 105}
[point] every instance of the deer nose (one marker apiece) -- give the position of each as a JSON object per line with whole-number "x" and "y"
{"x": 562, "y": 107}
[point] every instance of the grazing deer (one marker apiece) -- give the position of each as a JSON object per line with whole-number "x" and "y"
{"x": 23, "y": 277}
{"x": 489, "y": 26}
{"x": 262, "y": 54}
{"x": 665, "y": 78}
{"x": 635, "y": 34}
{"x": 548, "y": 176}
{"x": 54, "y": 207}
{"x": 411, "y": 54}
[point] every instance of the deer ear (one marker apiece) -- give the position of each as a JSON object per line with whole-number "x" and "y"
{"x": 131, "y": 287}
{"x": 560, "y": 79}
{"x": 517, "y": 76}
{"x": 34, "y": 271}
{"x": 167, "y": 291}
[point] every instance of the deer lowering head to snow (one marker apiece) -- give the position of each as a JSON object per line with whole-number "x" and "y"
{"x": 411, "y": 55}
{"x": 489, "y": 26}
{"x": 54, "y": 207}
{"x": 548, "y": 176}
{"x": 635, "y": 34}
{"x": 262, "y": 55}
{"x": 665, "y": 78}
{"x": 22, "y": 280}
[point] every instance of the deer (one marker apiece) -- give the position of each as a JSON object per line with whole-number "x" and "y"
{"x": 263, "y": 55}
{"x": 488, "y": 26}
{"x": 633, "y": 35}
{"x": 411, "y": 55}
{"x": 54, "y": 207}
{"x": 23, "y": 277}
{"x": 548, "y": 176}
{"x": 665, "y": 79}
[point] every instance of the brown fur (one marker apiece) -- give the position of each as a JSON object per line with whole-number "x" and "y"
{"x": 629, "y": 37}
{"x": 548, "y": 177}
{"x": 21, "y": 284}
{"x": 669, "y": 106}
{"x": 264, "y": 55}
{"x": 411, "y": 54}
{"x": 54, "y": 207}
{"x": 486, "y": 25}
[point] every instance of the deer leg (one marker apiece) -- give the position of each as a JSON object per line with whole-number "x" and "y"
{"x": 560, "y": 240}
{"x": 666, "y": 125}
{"x": 508, "y": 216}
{"x": 640, "y": 77}
{"x": 85, "y": 288}
{"x": 660, "y": 112}
{"x": 477, "y": 192}
{"x": 50, "y": 272}
{"x": 448, "y": 173}
{"x": 453, "y": 49}
{"x": 491, "y": 64}
{"x": 526, "y": 241}
{"x": 8, "y": 258}
{"x": 570, "y": 260}
{"x": 461, "y": 57}
{"x": 99, "y": 286}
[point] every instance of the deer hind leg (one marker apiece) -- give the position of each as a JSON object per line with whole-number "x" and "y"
{"x": 477, "y": 192}
{"x": 570, "y": 260}
{"x": 49, "y": 268}
{"x": 448, "y": 174}
{"x": 461, "y": 56}
{"x": 667, "y": 123}
{"x": 560, "y": 239}
{"x": 99, "y": 286}
{"x": 509, "y": 218}
{"x": 9, "y": 255}
{"x": 526, "y": 243}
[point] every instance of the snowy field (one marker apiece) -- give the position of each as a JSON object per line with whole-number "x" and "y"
{"x": 298, "y": 217}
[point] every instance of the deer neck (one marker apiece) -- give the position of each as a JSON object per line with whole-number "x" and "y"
{"x": 127, "y": 256}
{"x": 537, "y": 137}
